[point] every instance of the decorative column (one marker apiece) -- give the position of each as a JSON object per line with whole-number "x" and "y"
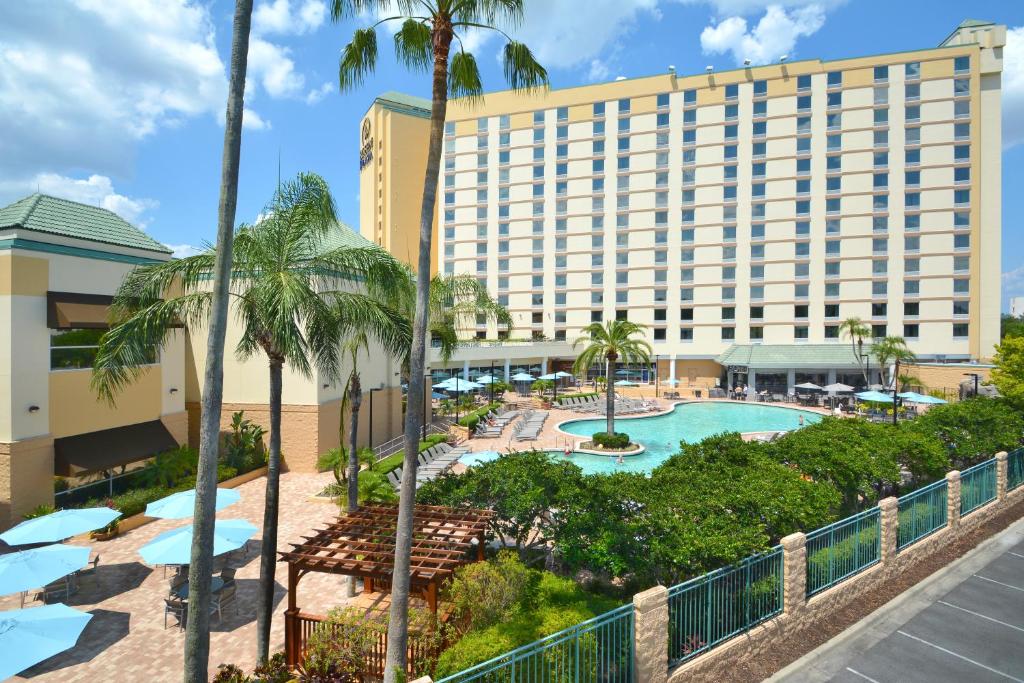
{"x": 465, "y": 369}
{"x": 794, "y": 562}
{"x": 672, "y": 366}
{"x": 831, "y": 375}
{"x": 790, "y": 380}
{"x": 1001, "y": 473}
{"x": 890, "y": 524}
{"x": 650, "y": 633}
{"x": 508, "y": 364}
{"x": 953, "y": 499}
{"x": 751, "y": 384}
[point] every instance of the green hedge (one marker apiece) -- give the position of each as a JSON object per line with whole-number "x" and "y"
{"x": 589, "y": 394}
{"x": 135, "y": 501}
{"x": 616, "y": 440}
{"x": 471, "y": 420}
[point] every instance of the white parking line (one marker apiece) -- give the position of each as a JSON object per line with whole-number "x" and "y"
{"x": 979, "y": 615}
{"x": 1014, "y": 554}
{"x": 857, "y": 673}
{"x": 959, "y": 656}
{"x": 1000, "y": 583}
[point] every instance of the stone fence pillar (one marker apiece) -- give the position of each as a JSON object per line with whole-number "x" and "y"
{"x": 1001, "y": 475}
{"x": 794, "y": 562}
{"x": 890, "y": 525}
{"x": 953, "y": 499}
{"x": 650, "y": 635}
{"x": 424, "y": 679}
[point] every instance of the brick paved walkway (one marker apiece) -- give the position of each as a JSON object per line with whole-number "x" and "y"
{"x": 126, "y": 639}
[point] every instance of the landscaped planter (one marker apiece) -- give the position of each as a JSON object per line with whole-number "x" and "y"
{"x": 589, "y": 448}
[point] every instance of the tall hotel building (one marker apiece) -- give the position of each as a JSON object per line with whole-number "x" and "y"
{"x": 739, "y": 215}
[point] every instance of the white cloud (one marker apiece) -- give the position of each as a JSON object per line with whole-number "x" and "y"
{"x": 278, "y": 17}
{"x": 1013, "y": 88}
{"x": 82, "y": 82}
{"x": 317, "y": 94}
{"x": 253, "y": 121}
{"x": 774, "y": 35}
{"x": 274, "y": 69}
{"x": 183, "y": 250}
{"x": 725, "y": 8}
{"x": 96, "y": 190}
{"x": 599, "y": 70}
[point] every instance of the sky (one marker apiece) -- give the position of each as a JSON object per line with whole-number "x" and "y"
{"x": 120, "y": 103}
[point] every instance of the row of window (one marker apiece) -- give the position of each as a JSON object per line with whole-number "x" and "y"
{"x": 834, "y": 80}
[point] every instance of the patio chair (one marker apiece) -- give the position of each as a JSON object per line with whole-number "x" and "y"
{"x": 227, "y": 575}
{"x": 221, "y": 599}
{"x": 177, "y": 609}
{"x": 62, "y": 588}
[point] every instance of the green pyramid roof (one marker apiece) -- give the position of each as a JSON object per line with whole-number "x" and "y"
{"x": 839, "y": 355}
{"x": 56, "y": 216}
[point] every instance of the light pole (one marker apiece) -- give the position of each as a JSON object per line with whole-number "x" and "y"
{"x": 976, "y": 378}
{"x": 657, "y": 373}
{"x": 492, "y": 381}
{"x": 371, "y": 415}
{"x": 895, "y": 390}
{"x": 427, "y": 403}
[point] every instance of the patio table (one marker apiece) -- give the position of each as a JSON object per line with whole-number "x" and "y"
{"x": 182, "y": 590}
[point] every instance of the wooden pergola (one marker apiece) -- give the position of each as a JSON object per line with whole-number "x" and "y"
{"x": 362, "y": 544}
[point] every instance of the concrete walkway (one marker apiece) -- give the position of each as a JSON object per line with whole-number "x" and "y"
{"x": 964, "y": 623}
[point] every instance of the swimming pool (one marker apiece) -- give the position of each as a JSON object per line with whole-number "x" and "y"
{"x": 688, "y": 422}
{"x": 661, "y": 434}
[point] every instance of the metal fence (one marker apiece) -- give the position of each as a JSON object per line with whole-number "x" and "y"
{"x": 977, "y": 486}
{"x": 598, "y": 650}
{"x": 1014, "y": 469}
{"x": 709, "y": 609}
{"x": 840, "y": 550}
{"x": 921, "y": 513}
{"x": 102, "y": 488}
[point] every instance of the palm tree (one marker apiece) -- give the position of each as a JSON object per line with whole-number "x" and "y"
{"x": 424, "y": 41}
{"x": 614, "y": 340}
{"x": 892, "y": 350}
{"x": 455, "y": 303}
{"x": 293, "y": 296}
{"x": 197, "y": 633}
{"x": 856, "y": 330}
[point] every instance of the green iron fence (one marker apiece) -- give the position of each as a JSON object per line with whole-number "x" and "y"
{"x": 709, "y": 609}
{"x": 840, "y": 550}
{"x": 922, "y": 512}
{"x": 1014, "y": 469}
{"x": 599, "y": 650}
{"x": 977, "y": 486}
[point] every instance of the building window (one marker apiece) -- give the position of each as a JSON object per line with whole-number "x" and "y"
{"x": 910, "y": 330}
{"x": 831, "y": 332}
{"x": 728, "y": 333}
{"x": 911, "y": 309}
{"x": 960, "y": 330}
{"x": 756, "y": 333}
{"x": 962, "y": 65}
{"x": 800, "y": 332}
{"x": 912, "y": 70}
{"x": 659, "y": 334}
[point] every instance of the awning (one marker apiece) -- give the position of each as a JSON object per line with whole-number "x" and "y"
{"x": 785, "y": 356}
{"x": 109, "y": 448}
{"x": 69, "y": 310}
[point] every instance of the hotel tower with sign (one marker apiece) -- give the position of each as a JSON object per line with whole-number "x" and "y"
{"x": 739, "y": 215}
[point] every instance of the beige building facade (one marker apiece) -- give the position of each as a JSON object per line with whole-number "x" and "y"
{"x": 762, "y": 205}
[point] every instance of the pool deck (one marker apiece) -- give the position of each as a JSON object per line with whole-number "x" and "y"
{"x": 553, "y": 438}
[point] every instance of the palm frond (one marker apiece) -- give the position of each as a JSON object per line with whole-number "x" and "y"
{"x": 464, "y": 76}
{"x": 413, "y": 45}
{"x": 357, "y": 313}
{"x": 358, "y": 59}
{"x": 522, "y": 70}
{"x": 348, "y": 9}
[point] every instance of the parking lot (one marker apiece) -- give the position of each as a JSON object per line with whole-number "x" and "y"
{"x": 965, "y": 623}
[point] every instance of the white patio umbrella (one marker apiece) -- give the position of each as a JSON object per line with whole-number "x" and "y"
{"x": 838, "y": 388}
{"x": 808, "y": 386}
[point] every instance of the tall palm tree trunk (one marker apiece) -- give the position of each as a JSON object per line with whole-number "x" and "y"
{"x": 398, "y": 625}
{"x": 609, "y": 396}
{"x": 268, "y": 550}
{"x": 197, "y": 635}
{"x": 355, "y": 400}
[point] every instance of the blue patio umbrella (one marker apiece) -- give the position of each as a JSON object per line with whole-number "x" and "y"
{"x": 549, "y": 376}
{"x": 37, "y": 567}
{"x": 521, "y": 377}
{"x": 456, "y": 384}
{"x": 914, "y": 397}
{"x": 874, "y": 396}
{"x": 437, "y": 396}
{"x": 486, "y": 379}
{"x": 59, "y": 525}
{"x": 175, "y": 546}
{"x": 626, "y": 383}
{"x": 28, "y": 636}
{"x": 182, "y": 504}
{"x": 564, "y": 375}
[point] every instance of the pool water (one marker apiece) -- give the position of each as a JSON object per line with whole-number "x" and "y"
{"x": 689, "y": 422}
{"x": 661, "y": 435}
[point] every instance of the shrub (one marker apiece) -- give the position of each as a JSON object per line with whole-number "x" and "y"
{"x": 60, "y": 484}
{"x": 243, "y": 446}
{"x": 973, "y": 430}
{"x": 274, "y": 670}
{"x": 471, "y": 420}
{"x": 606, "y": 440}
{"x": 39, "y": 511}
{"x": 484, "y": 593}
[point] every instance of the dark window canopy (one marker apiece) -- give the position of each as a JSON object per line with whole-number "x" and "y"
{"x": 68, "y": 310}
{"x": 109, "y": 448}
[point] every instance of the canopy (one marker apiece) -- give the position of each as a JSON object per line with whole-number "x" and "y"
{"x": 486, "y": 379}
{"x": 59, "y": 525}
{"x": 37, "y": 567}
{"x": 550, "y": 376}
{"x": 914, "y": 397}
{"x": 181, "y": 505}
{"x": 561, "y": 374}
{"x": 110, "y": 448}
{"x": 838, "y": 388}
{"x": 28, "y": 636}
{"x": 457, "y": 384}
{"x": 522, "y": 377}
{"x": 175, "y": 546}
{"x": 809, "y": 386}
{"x": 875, "y": 396}
{"x": 625, "y": 383}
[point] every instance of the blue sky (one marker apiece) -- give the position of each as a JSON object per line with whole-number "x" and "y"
{"x": 120, "y": 102}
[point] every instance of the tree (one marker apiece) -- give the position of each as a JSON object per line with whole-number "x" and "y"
{"x": 856, "y": 330}
{"x": 892, "y": 350}
{"x": 424, "y": 41}
{"x": 294, "y": 297}
{"x": 973, "y": 430}
{"x": 1011, "y": 326}
{"x": 456, "y": 302}
{"x": 1008, "y": 373}
{"x": 614, "y": 340}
